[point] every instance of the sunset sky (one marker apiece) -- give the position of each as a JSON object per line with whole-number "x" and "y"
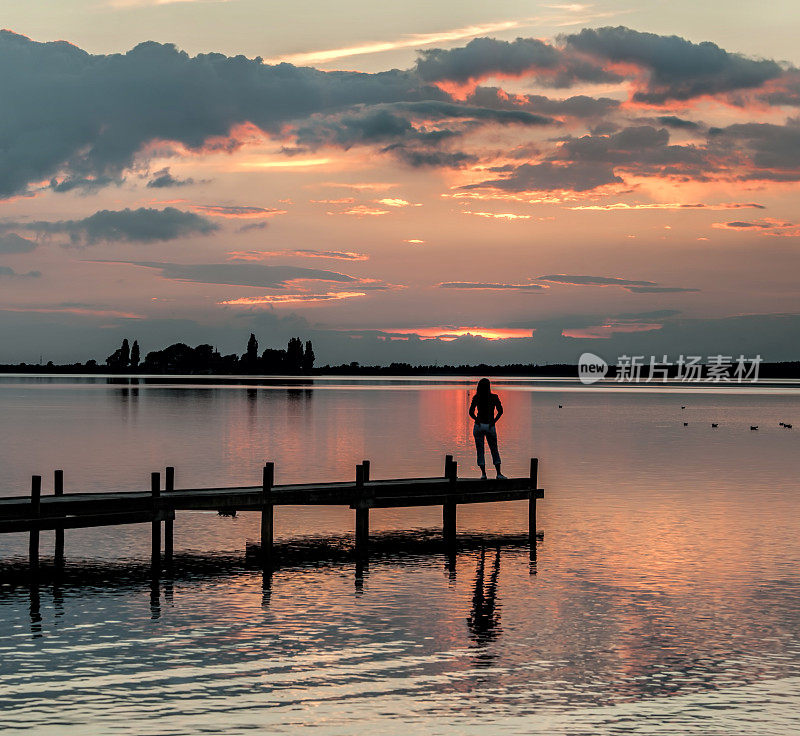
{"x": 452, "y": 181}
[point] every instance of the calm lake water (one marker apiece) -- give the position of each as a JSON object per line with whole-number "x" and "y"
{"x": 665, "y": 597}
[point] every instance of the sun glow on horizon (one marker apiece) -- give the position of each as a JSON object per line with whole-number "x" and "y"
{"x": 451, "y": 333}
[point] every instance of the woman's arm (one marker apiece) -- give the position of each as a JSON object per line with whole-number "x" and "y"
{"x": 499, "y": 407}
{"x": 472, "y": 407}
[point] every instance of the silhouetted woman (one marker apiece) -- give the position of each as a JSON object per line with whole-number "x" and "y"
{"x": 486, "y": 409}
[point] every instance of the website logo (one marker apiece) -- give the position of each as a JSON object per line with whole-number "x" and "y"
{"x": 591, "y": 368}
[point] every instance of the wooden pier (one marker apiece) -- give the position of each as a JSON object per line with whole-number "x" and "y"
{"x": 36, "y": 513}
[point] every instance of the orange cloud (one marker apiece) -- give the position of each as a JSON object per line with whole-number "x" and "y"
{"x": 498, "y": 215}
{"x": 361, "y": 210}
{"x": 292, "y": 163}
{"x": 262, "y": 255}
{"x": 549, "y": 198}
{"x": 765, "y": 226}
{"x": 276, "y": 300}
{"x": 668, "y": 206}
{"x": 238, "y": 212}
{"x": 358, "y": 186}
{"x": 602, "y": 332}
{"x": 82, "y": 311}
{"x": 397, "y": 202}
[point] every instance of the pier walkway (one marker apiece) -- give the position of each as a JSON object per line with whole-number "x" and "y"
{"x": 158, "y": 506}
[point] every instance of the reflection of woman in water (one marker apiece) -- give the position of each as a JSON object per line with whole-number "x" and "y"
{"x": 482, "y": 410}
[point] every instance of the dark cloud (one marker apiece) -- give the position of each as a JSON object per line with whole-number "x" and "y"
{"x": 421, "y": 158}
{"x": 341, "y": 255}
{"x": 587, "y": 162}
{"x": 163, "y": 179}
{"x": 673, "y": 121}
{"x": 441, "y": 110}
{"x": 241, "y": 274}
{"x": 641, "y": 148}
{"x": 365, "y": 126}
{"x": 490, "y": 286}
{"x": 657, "y": 289}
{"x": 484, "y": 57}
{"x": 262, "y": 225}
{"x": 774, "y": 149}
{"x": 678, "y": 69}
{"x": 634, "y": 286}
{"x": 546, "y": 176}
{"x": 562, "y": 278}
{"x": 786, "y": 91}
{"x": 81, "y": 120}
{"x": 89, "y": 115}
{"x": 85, "y": 184}
{"x": 143, "y": 225}
{"x": 7, "y": 272}
{"x": 411, "y": 131}
{"x": 742, "y": 225}
{"x": 578, "y": 106}
{"x": 13, "y": 243}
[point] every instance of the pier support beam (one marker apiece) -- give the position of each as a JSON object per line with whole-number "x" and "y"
{"x": 58, "y": 490}
{"x": 169, "y": 485}
{"x": 362, "y": 512}
{"x": 534, "y": 476}
{"x": 155, "y": 526}
{"x": 449, "y": 507}
{"x": 33, "y": 542}
{"x": 267, "y": 519}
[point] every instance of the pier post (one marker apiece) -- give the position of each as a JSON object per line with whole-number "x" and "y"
{"x": 362, "y": 514}
{"x": 267, "y": 526}
{"x": 36, "y": 509}
{"x": 155, "y": 533}
{"x": 169, "y": 485}
{"x": 58, "y": 490}
{"x": 532, "y": 506}
{"x": 449, "y": 507}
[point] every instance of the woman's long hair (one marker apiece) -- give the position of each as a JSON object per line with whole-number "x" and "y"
{"x": 482, "y": 393}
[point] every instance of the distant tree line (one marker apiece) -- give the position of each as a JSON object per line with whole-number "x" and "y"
{"x": 298, "y": 359}
{"x": 181, "y": 358}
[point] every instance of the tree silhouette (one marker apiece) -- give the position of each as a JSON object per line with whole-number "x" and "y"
{"x": 273, "y": 361}
{"x": 205, "y": 359}
{"x": 120, "y": 359}
{"x": 308, "y": 357}
{"x": 294, "y": 355}
{"x": 250, "y": 358}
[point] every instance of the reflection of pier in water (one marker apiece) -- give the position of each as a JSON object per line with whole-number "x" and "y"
{"x": 391, "y": 548}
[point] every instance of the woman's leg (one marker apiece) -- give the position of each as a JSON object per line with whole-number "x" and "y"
{"x": 491, "y": 437}
{"x": 478, "y": 433}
